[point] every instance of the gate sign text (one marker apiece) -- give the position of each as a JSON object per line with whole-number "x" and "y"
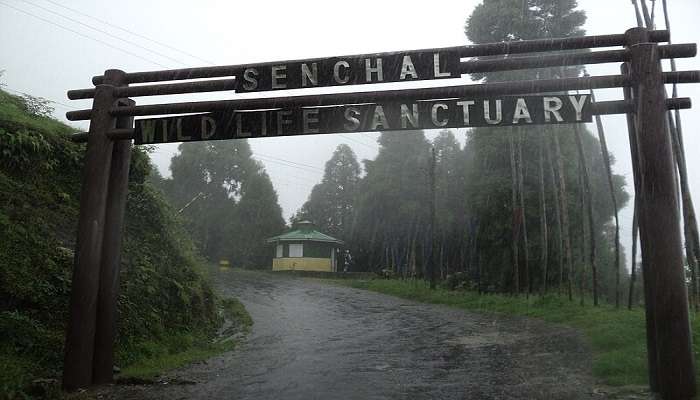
{"x": 352, "y": 70}
{"x": 347, "y": 118}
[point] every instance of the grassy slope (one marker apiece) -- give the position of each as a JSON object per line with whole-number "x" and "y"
{"x": 617, "y": 337}
{"x": 168, "y": 312}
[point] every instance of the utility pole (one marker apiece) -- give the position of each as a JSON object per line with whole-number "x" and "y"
{"x": 432, "y": 217}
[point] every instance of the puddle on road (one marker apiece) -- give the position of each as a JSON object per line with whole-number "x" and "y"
{"x": 482, "y": 339}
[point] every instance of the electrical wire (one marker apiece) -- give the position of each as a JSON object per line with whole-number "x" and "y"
{"x": 83, "y": 35}
{"x": 106, "y": 33}
{"x": 358, "y": 142}
{"x": 293, "y": 163}
{"x": 131, "y": 32}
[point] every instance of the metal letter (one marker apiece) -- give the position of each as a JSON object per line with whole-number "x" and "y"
{"x": 278, "y": 72}
{"x": 407, "y": 68}
{"x": 412, "y": 118}
{"x": 239, "y": 126}
{"x": 465, "y": 109}
{"x": 351, "y": 114}
{"x": 578, "y": 105}
{"x": 487, "y": 113}
{"x": 250, "y": 78}
{"x": 208, "y": 127}
{"x": 164, "y": 131}
{"x": 336, "y": 72}
{"x": 379, "y": 119}
{"x": 436, "y": 67}
{"x": 521, "y": 112}
{"x": 309, "y": 76}
{"x": 263, "y": 123}
{"x": 148, "y": 130}
{"x": 178, "y": 130}
{"x": 433, "y": 114}
{"x": 309, "y": 116}
{"x": 369, "y": 70}
{"x": 281, "y": 120}
{"x": 552, "y": 105}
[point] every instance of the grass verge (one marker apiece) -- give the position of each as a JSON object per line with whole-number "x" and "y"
{"x": 616, "y": 336}
{"x": 184, "y": 348}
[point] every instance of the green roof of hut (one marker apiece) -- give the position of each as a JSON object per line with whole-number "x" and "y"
{"x": 304, "y": 231}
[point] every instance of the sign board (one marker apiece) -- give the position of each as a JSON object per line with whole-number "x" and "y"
{"x": 350, "y": 70}
{"x": 348, "y": 118}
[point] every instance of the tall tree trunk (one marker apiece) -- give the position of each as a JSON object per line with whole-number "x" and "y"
{"x": 442, "y": 263}
{"x": 563, "y": 205}
{"x": 516, "y": 214}
{"x": 589, "y": 201}
{"x": 690, "y": 225}
{"x": 431, "y": 240}
{"x": 387, "y": 259}
{"x": 557, "y": 211}
{"x": 640, "y": 23}
{"x": 479, "y": 281}
{"x": 582, "y": 255}
{"x": 613, "y": 198}
{"x": 633, "y": 275}
{"x": 544, "y": 250}
{"x": 645, "y": 12}
{"x": 521, "y": 193}
{"x": 414, "y": 255}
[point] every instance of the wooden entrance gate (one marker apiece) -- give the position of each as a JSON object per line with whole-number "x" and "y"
{"x": 91, "y": 327}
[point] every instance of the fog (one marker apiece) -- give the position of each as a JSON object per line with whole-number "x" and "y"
{"x": 48, "y": 48}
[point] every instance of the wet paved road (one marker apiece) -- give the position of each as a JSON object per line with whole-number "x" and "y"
{"x": 313, "y": 340}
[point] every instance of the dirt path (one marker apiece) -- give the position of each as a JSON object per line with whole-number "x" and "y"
{"x": 313, "y": 340}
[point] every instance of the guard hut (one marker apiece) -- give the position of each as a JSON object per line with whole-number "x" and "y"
{"x": 305, "y": 249}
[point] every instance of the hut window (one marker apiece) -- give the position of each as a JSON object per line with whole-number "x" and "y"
{"x": 279, "y": 253}
{"x": 296, "y": 250}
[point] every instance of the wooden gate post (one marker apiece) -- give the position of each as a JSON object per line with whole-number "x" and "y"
{"x": 650, "y": 323}
{"x": 103, "y": 360}
{"x": 80, "y": 332}
{"x": 659, "y": 227}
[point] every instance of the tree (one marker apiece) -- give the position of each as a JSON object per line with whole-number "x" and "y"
{"x": 331, "y": 204}
{"x": 215, "y": 186}
{"x": 257, "y": 216}
{"x": 491, "y": 170}
{"x": 392, "y": 213}
{"x": 450, "y": 205}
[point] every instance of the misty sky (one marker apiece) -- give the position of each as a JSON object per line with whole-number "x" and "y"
{"x": 46, "y": 48}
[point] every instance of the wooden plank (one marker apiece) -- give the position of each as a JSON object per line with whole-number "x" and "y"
{"x": 479, "y": 90}
{"x": 433, "y": 114}
{"x": 476, "y": 50}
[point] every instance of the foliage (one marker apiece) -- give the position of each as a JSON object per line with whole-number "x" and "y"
{"x": 475, "y": 216}
{"x": 37, "y": 106}
{"x": 507, "y": 20}
{"x": 227, "y": 201}
{"x": 489, "y": 173}
{"x": 157, "y": 356}
{"x": 163, "y": 291}
{"x": 257, "y": 216}
{"x": 331, "y": 204}
{"x": 391, "y": 210}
